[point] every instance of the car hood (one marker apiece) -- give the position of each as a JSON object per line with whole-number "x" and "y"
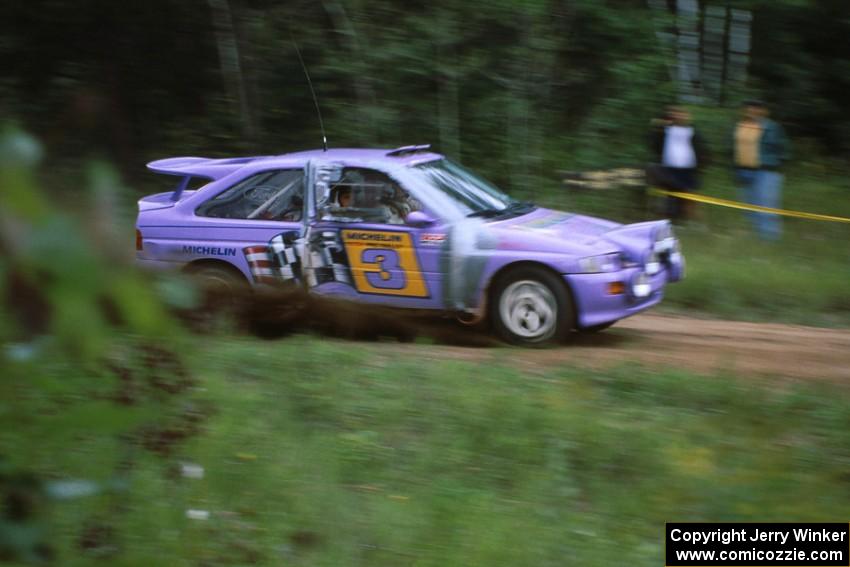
{"x": 546, "y": 230}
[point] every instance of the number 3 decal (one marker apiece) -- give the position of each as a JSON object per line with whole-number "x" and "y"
{"x": 384, "y": 263}
{"x": 389, "y": 274}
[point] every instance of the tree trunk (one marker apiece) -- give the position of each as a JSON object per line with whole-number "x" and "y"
{"x": 366, "y": 99}
{"x": 448, "y": 92}
{"x": 231, "y": 65}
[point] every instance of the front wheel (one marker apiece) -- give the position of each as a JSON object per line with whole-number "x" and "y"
{"x": 531, "y": 306}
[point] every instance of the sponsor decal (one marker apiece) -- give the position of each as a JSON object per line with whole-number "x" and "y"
{"x": 384, "y": 263}
{"x": 372, "y": 236}
{"x": 208, "y": 250}
{"x": 432, "y": 238}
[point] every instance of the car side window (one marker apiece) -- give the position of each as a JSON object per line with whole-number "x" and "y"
{"x": 269, "y": 195}
{"x": 367, "y": 195}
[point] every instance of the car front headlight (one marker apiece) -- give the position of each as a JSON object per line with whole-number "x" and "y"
{"x": 676, "y": 252}
{"x": 641, "y": 287}
{"x": 652, "y": 262}
{"x": 601, "y": 263}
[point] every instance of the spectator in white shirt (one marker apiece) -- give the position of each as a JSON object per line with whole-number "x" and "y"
{"x": 679, "y": 150}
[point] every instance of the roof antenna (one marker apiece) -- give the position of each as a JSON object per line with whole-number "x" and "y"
{"x": 315, "y": 100}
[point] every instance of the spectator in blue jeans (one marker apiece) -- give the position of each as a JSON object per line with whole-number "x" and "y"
{"x": 760, "y": 149}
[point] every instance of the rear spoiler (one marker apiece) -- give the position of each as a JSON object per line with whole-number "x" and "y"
{"x": 204, "y": 168}
{"x": 406, "y": 150}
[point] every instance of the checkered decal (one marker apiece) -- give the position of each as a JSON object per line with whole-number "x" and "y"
{"x": 280, "y": 261}
{"x": 282, "y": 249}
{"x": 328, "y": 259}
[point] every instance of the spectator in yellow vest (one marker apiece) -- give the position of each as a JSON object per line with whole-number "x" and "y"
{"x": 759, "y": 150}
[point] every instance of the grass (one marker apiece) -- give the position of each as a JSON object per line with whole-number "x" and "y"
{"x": 335, "y": 453}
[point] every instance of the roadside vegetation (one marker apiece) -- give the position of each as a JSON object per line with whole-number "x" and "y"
{"x": 323, "y": 452}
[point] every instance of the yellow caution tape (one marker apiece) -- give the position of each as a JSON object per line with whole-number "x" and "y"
{"x": 746, "y": 206}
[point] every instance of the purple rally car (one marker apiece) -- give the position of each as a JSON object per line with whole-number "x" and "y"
{"x": 404, "y": 228}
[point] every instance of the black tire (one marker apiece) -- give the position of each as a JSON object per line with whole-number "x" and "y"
{"x": 223, "y": 292}
{"x": 531, "y": 306}
{"x": 219, "y": 280}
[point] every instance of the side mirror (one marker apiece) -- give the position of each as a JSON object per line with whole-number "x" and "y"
{"x": 418, "y": 219}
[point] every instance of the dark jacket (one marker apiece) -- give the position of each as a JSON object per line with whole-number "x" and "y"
{"x": 774, "y": 148}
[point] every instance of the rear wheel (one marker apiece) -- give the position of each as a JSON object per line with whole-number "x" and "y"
{"x": 222, "y": 291}
{"x": 218, "y": 279}
{"x": 531, "y": 306}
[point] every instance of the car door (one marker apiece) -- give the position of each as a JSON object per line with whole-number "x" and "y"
{"x": 360, "y": 247}
{"x": 241, "y": 220}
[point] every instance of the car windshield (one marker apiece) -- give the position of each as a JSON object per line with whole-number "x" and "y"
{"x": 470, "y": 194}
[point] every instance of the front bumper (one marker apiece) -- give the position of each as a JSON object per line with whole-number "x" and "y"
{"x": 595, "y": 305}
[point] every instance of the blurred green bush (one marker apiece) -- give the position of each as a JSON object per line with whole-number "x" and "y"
{"x": 90, "y": 359}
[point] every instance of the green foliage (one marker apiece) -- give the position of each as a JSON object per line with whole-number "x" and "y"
{"x": 800, "y": 60}
{"x": 517, "y": 90}
{"x": 88, "y": 380}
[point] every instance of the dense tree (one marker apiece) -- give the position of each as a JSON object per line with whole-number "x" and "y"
{"x": 801, "y": 60}
{"x": 517, "y": 89}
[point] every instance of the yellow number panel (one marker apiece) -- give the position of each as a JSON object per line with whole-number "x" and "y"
{"x": 384, "y": 262}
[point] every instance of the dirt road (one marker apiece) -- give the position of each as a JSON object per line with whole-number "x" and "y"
{"x": 699, "y": 345}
